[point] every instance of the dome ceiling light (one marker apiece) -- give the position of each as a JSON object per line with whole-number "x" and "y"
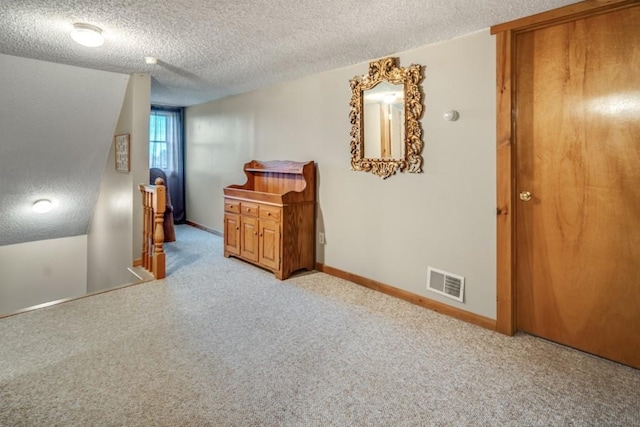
{"x": 87, "y": 35}
{"x": 42, "y": 206}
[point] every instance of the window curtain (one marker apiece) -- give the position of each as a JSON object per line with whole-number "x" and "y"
{"x": 166, "y": 151}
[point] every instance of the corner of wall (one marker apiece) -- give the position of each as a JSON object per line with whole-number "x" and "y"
{"x": 116, "y": 226}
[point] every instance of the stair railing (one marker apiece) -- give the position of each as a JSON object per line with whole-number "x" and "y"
{"x": 153, "y": 207}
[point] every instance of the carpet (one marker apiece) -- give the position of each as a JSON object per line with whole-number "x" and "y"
{"x": 220, "y": 342}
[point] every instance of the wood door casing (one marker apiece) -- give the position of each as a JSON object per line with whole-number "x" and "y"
{"x": 577, "y": 150}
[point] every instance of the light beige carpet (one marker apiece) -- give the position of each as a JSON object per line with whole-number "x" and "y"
{"x": 222, "y": 343}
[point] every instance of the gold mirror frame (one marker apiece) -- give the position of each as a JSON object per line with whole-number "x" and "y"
{"x": 387, "y": 70}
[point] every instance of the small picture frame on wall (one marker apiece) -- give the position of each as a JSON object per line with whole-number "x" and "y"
{"x": 122, "y": 148}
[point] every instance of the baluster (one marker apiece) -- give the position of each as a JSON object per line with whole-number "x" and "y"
{"x": 143, "y": 256}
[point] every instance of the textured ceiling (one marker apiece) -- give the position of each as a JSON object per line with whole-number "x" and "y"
{"x": 210, "y": 49}
{"x": 54, "y": 141}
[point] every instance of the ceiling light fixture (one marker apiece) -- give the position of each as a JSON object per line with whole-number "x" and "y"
{"x": 87, "y": 35}
{"x": 150, "y": 60}
{"x": 42, "y": 206}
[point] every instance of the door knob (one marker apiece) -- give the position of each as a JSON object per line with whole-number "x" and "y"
{"x": 525, "y": 196}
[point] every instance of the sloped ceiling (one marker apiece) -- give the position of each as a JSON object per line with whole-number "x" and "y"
{"x": 210, "y": 49}
{"x": 56, "y": 127}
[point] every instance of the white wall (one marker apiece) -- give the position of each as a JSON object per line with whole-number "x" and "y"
{"x": 111, "y": 237}
{"x": 386, "y": 230}
{"x": 37, "y": 272}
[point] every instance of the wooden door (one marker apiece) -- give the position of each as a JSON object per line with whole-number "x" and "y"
{"x": 249, "y": 236}
{"x": 231, "y": 234}
{"x": 577, "y": 150}
{"x": 270, "y": 244}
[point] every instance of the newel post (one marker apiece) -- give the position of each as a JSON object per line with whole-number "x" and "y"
{"x": 159, "y": 206}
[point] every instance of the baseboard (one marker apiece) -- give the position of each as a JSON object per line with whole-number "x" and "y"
{"x": 137, "y": 262}
{"x": 202, "y": 227}
{"x": 416, "y": 299}
{"x": 64, "y": 300}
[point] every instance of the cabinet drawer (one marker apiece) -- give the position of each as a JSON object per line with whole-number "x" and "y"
{"x": 249, "y": 209}
{"x": 271, "y": 213}
{"x": 232, "y": 206}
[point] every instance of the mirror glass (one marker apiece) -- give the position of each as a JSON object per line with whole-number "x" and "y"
{"x": 383, "y": 121}
{"x": 385, "y": 111}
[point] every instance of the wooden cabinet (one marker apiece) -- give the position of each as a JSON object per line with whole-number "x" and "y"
{"x": 231, "y": 234}
{"x": 249, "y": 238}
{"x": 269, "y": 238}
{"x": 270, "y": 220}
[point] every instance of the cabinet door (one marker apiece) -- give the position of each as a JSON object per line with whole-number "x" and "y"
{"x": 270, "y": 244}
{"x": 249, "y": 238}
{"x": 232, "y": 234}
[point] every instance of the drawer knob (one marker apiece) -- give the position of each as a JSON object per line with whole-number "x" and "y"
{"x": 268, "y": 213}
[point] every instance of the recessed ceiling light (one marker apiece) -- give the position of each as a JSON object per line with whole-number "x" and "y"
{"x": 42, "y": 206}
{"x": 87, "y": 35}
{"x": 150, "y": 60}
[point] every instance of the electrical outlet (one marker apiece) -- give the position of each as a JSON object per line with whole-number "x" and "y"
{"x": 321, "y": 238}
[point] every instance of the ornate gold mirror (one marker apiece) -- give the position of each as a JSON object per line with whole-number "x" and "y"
{"x": 385, "y": 111}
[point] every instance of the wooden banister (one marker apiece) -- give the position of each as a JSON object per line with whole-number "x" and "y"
{"x": 153, "y": 206}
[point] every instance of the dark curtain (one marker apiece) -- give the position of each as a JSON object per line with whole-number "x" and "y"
{"x": 166, "y": 151}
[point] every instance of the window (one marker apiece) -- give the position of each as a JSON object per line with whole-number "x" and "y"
{"x": 166, "y": 152}
{"x": 159, "y": 123}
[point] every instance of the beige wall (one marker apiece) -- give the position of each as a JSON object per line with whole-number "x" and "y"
{"x": 63, "y": 268}
{"x": 141, "y": 110}
{"x": 386, "y": 230}
{"x": 46, "y": 270}
{"x": 54, "y": 159}
{"x": 115, "y": 233}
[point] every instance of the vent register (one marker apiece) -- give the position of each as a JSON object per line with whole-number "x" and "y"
{"x": 445, "y": 283}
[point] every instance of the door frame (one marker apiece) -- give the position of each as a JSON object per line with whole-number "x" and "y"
{"x": 505, "y": 144}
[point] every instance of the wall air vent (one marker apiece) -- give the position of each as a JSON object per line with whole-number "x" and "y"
{"x": 447, "y": 284}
